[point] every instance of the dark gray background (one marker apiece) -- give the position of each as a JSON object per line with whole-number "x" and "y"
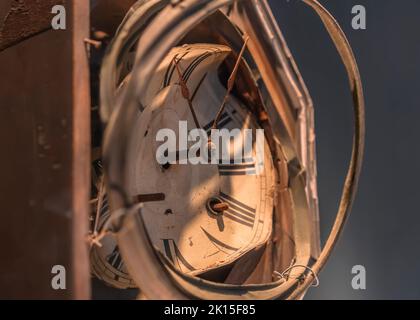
{"x": 383, "y": 232}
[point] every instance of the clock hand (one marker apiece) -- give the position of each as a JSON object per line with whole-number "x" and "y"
{"x": 220, "y": 207}
{"x": 230, "y": 83}
{"x": 151, "y": 197}
{"x": 186, "y": 92}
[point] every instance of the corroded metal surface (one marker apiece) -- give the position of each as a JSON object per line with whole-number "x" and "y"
{"x": 22, "y": 19}
{"x": 44, "y": 130}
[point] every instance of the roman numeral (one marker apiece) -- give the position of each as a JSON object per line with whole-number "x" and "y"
{"x": 219, "y": 244}
{"x": 115, "y": 259}
{"x": 225, "y": 119}
{"x": 105, "y": 207}
{"x": 238, "y": 211}
{"x": 171, "y": 69}
{"x": 247, "y": 167}
{"x": 198, "y": 87}
{"x": 197, "y": 61}
{"x": 172, "y": 253}
{"x": 188, "y": 71}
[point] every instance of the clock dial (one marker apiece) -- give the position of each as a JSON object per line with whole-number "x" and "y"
{"x": 201, "y": 216}
{"x": 211, "y": 214}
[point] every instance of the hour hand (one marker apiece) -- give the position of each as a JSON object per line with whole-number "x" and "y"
{"x": 149, "y": 197}
{"x": 186, "y": 93}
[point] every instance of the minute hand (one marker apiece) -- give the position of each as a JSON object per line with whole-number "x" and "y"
{"x": 230, "y": 84}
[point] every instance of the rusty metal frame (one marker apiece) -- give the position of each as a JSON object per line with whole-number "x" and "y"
{"x": 45, "y": 128}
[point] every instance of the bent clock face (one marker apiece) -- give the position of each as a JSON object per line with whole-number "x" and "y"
{"x": 201, "y": 216}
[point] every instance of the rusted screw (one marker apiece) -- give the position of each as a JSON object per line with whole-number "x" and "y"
{"x": 217, "y": 206}
{"x": 94, "y": 43}
{"x": 220, "y": 207}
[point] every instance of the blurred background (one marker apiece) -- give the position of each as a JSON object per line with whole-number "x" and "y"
{"x": 382, "y": 233}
